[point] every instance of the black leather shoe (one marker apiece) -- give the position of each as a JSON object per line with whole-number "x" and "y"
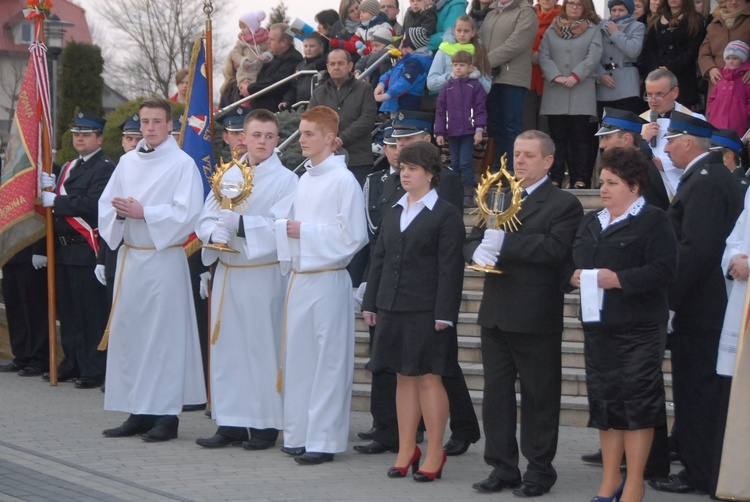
{"x": 61, "y": 377}
{"x": 368, "y": 434}
{"x": 29, "y": 371}
{"x": 164, "y": 429}
{"x": 127, "y": 429}
{"x": 372, "y": 448}
{"x": 293, "y": 451}
{"x": 455, "y": 447}
{"x": 492, "y": 485}
{"x": 530, "y": 489}
{"x": 257, "y": 444}
{"x": 87, "y": 383}
{"x": 216, "y": 441}
{"x": 194, "y": 407}
{"x": 313, "y": 458}
{"x": 593, "y": 458}
{"x": 11, "y": 367}
{"x": 673, "y": 484}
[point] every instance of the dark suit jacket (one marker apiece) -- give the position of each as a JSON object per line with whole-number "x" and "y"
{"x": 527, "y": 298}
{"x": 420, "y": 269}
{"x": 703, "y": 214}
{"x": 84, "y": 186}
{"x": 741, "y": 177}
{"x": 642, "y": 250}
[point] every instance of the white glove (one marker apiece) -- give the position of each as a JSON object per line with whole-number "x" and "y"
{"x": 229, "y": 220}
{"x": 220, "y": 235}
{"x": 48, "y": 180}
{"x": 484, "y": 256}
{"x": 38, "y": 261}
{"x": 48, "y": 199}
{"x": 99, "y": 273}
{"x": 205, "y": 276}
{"x": 360, "y": 294}
{"x": 493, "y": 239}
{"x": 670, "y": 322}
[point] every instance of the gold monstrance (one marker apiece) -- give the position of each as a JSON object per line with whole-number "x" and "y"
{"x": 498, "y": 197}
{"x": 232, "y": 184}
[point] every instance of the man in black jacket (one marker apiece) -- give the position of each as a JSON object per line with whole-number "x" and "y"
{"x": 521, "y": 319}
{"x": 353, "y": 100}
{"x": 81, "y": 299}
{"x": 703, "y": 213}
{"x": 285, "y": 60}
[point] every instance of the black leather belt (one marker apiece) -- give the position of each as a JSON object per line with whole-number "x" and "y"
{"x": 67, "y": 240}
{"x": 614, "y": 66}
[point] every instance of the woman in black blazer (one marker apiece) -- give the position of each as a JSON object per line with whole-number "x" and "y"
{"x": 412, "y": 298}
{"x": 633, "y": 247}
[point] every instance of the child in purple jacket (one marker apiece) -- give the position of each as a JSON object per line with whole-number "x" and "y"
{"x": 461, "y": 117}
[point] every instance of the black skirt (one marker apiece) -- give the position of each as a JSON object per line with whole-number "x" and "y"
{"x": 407, "y": 343}
{"x": 623, "y": 375}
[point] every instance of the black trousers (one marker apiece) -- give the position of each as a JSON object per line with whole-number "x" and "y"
{"x": 573, "y": 136}
{"x": 25, "y": 294}
{"x": 240, "y": 433}
{"x": 201, "y": 307}
{"x": 83, "y": 313}
{"x": 537, "y": 360}
{"x": 697, "y": 397}
{"x": 463, "y": 421}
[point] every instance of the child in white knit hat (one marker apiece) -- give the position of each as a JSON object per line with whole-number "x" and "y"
{"x": 250, "y": 51}
{"x": 728, "y": 104}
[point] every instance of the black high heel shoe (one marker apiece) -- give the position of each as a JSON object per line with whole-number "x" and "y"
{"x": 400, "y": 472}
{"x": 423, "y": 477}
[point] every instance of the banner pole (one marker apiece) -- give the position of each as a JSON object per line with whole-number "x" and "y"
{"x": 208, "y": 9}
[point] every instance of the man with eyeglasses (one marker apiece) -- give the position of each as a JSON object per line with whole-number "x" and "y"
{"x": 661, "y": 95}
{"x": 391, "y": 9}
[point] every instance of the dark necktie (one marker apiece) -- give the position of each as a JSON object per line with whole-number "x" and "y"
{"x": 145, "y": 150}
{"x": 524, "y": 194}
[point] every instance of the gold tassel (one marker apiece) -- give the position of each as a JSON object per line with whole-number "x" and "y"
{"x": 215, "y": 336}
{"x": 279, "y": 378}
{"x": 105, "y": 340}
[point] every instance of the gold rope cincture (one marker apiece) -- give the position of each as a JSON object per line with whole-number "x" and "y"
{"x": 105, "y": 339}
{"x": 280, "y": 374}
{"x": 217, "y": 326}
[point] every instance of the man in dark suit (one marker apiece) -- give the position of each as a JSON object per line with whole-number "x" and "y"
{"x": 521, "y": 316}
{"x": 382, "y": 190}
{"x": 703, "y": 213}
{"x": 727, "y": 141}
{"x": 283, "y": 64}
{"x": 81, "y": 299}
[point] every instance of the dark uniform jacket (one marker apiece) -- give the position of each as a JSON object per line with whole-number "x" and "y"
{"x": 655, "y": 192}
{"x": 84, "y": 185}
{"x": 703, "y": 213}
{"x": 527, "y": 297}
{"x": 642, "y": 250}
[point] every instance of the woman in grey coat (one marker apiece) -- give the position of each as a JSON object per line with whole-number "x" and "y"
{"x": 618, "y": 82}
{"x": 569, "y": 56}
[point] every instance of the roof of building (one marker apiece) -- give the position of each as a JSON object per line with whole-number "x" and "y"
{"x": 11, "y": 15}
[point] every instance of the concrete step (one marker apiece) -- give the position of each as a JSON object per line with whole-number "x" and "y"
{"x": 573, "y": 379}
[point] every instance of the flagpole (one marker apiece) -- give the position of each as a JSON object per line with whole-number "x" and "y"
{"x": 50, "y": 226}
{"x": 208, "y": 9}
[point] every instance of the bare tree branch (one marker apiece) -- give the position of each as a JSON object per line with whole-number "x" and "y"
{"x": 155, "y": 38}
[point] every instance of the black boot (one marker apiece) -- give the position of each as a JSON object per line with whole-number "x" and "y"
{"x": 224, "y": 436}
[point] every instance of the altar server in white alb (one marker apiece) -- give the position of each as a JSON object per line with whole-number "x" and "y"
{"x": 247, "y": 299}
{"x": 326, "y": 228}
{"x": 152, "y": 203}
